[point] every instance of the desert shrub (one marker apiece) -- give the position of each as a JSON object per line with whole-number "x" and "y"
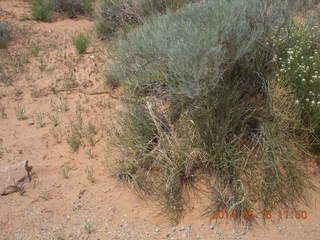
{"x": 113, "y": 15}
{"x": 41, "y": 10}
{"x": 4, "y": 34}
{"x": 81, "y": 42}
{"x": 72, "y": 7}
{"x": 298, "y": 63}
{"x": 205, "y": 75}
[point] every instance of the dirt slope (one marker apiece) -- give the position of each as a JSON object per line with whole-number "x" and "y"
{"x": 45, "y": 74}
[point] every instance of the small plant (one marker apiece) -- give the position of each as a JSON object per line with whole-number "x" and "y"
{"x": 81, "y": 42}
{"x": 39, "y": 119}
{"x": 88, "y": 226}
{"x": 65, "y": 171}
{"x": 41, "y": 10}
{"x": 5, "y": 79}
{"x": 90, "y": 132}
{"x": 90, "y": 153}
{"x": 4, "y": 34}
{"x": 35, "y": 92}
{"x": 42, "y": 66}
{"x": 63, "y": 106}
{"x": 35, "y": 50}
{"x": 45, "y": 195}
{"x": 54, "y": 120}
{"x": 90, "y": 174}
{"x": 60, "y": 238}
{"x": 56, "y": 133}
{"x": 20, "y": 112}
{"x": 73, "y": 138}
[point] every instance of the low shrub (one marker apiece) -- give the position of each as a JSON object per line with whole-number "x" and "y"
{"x": 81, "y": 42}
{"x": 298, "y": 63}
{"x": 203, "y": 79}
{"x": 4, "y": 34}
{"x": 113, "y": 15}
{"x": 72, "y": 7}
{"x": 41, "y": 10}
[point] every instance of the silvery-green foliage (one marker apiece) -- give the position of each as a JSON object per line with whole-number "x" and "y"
{"x": 192, "y": 49}
{"x": 4, "y": 30}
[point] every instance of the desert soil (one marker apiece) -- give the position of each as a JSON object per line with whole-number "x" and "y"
{"x": 74, "y": 195}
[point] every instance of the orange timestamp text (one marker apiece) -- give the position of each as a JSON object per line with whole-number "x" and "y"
{"x": 265, "y": 214}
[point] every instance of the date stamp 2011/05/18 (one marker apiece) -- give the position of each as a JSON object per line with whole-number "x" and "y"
{"x": 265, "y": 214}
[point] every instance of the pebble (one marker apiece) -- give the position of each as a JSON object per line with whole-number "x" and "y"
{"x": 157, "y": 230}
{"x": 30, "y": 122}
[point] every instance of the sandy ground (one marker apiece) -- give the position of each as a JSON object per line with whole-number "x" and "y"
{"x": 90, "y": 203}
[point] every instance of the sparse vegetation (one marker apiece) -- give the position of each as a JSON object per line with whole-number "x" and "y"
{"x": 65, "y": 171}
{"x": 88, "y": 226}
{"x": 54, "y": 120}
{"x": 20, "y": 112}
{"x": 41, "y": 10}
{"x": 39, "y": 119}
{"x": 203, "y": 101}
{"x": 72, "y": 7}
{"x": 73, "y": 138}
{"x": 4, "y": 34}
{"x": 81, "y": 42}
{"x": 113, "y": 15}
{"x": 90, "y": 174}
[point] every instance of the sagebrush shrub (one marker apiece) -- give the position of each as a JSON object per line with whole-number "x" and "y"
{"x": 81, "y": 42}
{"x": 4, "y": 34}
{"x": 204, "y": 73}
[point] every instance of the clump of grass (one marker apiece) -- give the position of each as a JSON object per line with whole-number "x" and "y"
{"x": 21, "y": 112}
{"x": 88, "y": 226}
{"x": 54, "y": 120}
{"x": 45, "y": 195}
{"x": 65, "y": 171}
{"x": 39, "y": 119}
{"x": 41, "y": 10}
{"x": 81, "y": 42}
{"x": 90, "y": 174}
{"x": 90, "y": 132}
{"x": 74, "y": 138}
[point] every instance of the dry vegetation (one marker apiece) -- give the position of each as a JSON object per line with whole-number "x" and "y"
{"x": 216, "y": 101}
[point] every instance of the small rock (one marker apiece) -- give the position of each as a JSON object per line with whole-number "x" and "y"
{"x": 30, "y": 122}
{"x": 157, "y": 230}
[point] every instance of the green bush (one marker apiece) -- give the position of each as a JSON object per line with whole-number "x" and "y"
{"x": 298, "y": 63}
{"x": 4, "y": 34}
{"x": 205, "y": 75}
{"x": 81, "y": 42}
{"x": 41, "y": 10}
